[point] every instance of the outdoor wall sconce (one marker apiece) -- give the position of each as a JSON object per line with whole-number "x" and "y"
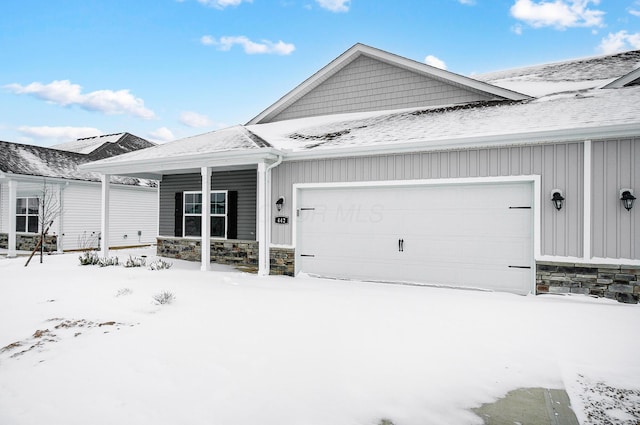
{"x": 627, "y": 198}
{"x": 557, "y": 198}
{"x": 280, "y": 203}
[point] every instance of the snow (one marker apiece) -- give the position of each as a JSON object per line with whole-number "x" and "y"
{"x": 88, "y": 144}
{"x": 236, "y": 348}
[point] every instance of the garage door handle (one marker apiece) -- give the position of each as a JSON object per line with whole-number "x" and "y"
{"x": 519, "y": 267}
{"x": 400, "y": 245}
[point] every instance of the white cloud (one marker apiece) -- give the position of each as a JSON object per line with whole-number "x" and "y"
{"x": 434, "y": 61}
{"x": 619, "y": 42}
{"x": 61, "y": 134}
{"x": 221, "y": 4}
{"x": 468, "y": 2}
{"x": 106, "y": 101}
{"x": 250, "y": 47}
{"x": 162, "y": 134}
{"x": 194, "y": 119}
{"x": 559, "y": 14}
{"x": 335, "y": 5}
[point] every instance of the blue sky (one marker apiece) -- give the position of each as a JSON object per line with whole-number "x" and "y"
{"x": 166, "y": 69}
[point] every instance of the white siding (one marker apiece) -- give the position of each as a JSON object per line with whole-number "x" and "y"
{"x": 131, "y": 210}
{"x": 615, "y": 231}
{"x": 4, "y": 201}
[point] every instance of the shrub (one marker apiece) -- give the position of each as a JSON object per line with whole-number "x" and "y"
{"x": 109, "y": 261}
{"x": 89, "y": 258}
{"x": 135, "y": 262}
{"x": 164, "y": 297}
{"x": 160, "y": 264}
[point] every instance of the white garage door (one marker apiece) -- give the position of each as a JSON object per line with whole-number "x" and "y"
{"x": 473, "y": 236}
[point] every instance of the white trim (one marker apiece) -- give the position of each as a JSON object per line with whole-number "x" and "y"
{"x": 205, "y": 220}
{"x": 104, "y": 216}
{"x": 192, "y": 161}
{"x": 262, "y": 201}
{"x": 589, "y": 261}
{"x": 586, "y": 207}
{"x": 13, "y": 195}
{"x": 535, "y": 203}
{"x": 184, "y": 214}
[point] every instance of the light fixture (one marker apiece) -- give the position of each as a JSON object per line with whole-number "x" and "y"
{"x": 280, "y": 203}
{"x": 627, "y": 198}
{"x": 557, "y": 198}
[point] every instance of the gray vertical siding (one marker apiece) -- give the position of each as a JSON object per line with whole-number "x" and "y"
{"x": 368, "y": 84}
{"x": 242, "y": 181}
{"x": 560, "y": 165}
{"x": 615, "y": 231}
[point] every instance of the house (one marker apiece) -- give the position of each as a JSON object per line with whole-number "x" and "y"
{"x": 30, "y": 174}
{"x": 381, "y": 168}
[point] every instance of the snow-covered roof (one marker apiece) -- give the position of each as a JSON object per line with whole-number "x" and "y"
{"x": 108, "y": 145}
{"x": 571, "y": 75}
{"x": 576, "y": 108}
{"x": 29, "y": 160}
{"x": 593, "y": 109}
{"x": 236, "y": 138}
{"x": 87, "y": 145}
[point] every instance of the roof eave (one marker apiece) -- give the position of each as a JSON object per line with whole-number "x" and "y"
{"x": 158, "y": 166}
{"x": 497, "y": 140}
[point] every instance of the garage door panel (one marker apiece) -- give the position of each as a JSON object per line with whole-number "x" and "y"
{"x": 467, "y": 235}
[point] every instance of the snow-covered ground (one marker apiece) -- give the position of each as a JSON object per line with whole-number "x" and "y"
{"x": 88, "y": 345}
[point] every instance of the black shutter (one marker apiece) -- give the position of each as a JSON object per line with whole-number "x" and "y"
{"x": 178, "y": 209}
{"x": 232, "y": 215}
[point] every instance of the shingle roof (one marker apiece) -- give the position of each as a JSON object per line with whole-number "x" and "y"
{"x": 577, "y": 74}
{"x": 592, "y": 109}
{"x": 236, "y": 138}
{"x": 29, "y": 160}
{"x": 105, "y": 146}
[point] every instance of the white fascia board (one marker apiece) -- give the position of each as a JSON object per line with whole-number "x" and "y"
{"x": 552, "y": 136}
{"x": 360, "y": 49}
{"x": 192, "y": 161}
{"x": 595, "y": 261}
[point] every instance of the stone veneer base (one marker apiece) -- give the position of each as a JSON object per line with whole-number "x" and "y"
{"x": 618, "y": 282}
{"x": 238, "y": 253}
{"x": 28, "y": 242}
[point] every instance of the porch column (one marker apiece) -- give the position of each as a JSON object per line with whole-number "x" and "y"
{"x": 205, "y": 244}
{"x": 262, "y": 224}
{"x": 104, "y": 223}
{"x": 13, "y": 194}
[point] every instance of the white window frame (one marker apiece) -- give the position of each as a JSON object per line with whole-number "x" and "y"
{"x": 26, "y": 215}
{"x": 185, "y": 214}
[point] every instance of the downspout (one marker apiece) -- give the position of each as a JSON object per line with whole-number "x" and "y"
{"x": 265, "y": 252}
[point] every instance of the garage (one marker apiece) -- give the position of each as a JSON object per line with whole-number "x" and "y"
{"x": 477, "y": 235}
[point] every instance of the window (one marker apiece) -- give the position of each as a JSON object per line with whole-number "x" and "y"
{"x": 193, "y": 214}
{"x": 27, "y": 215}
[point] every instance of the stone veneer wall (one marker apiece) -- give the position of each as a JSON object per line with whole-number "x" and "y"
{"x": 237, "y": 253}
{"x": 28, "y": 242}
{"x": 621, "y": 283}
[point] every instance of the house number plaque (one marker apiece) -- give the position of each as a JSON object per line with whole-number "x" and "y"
{"x": 282, "y": 220}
